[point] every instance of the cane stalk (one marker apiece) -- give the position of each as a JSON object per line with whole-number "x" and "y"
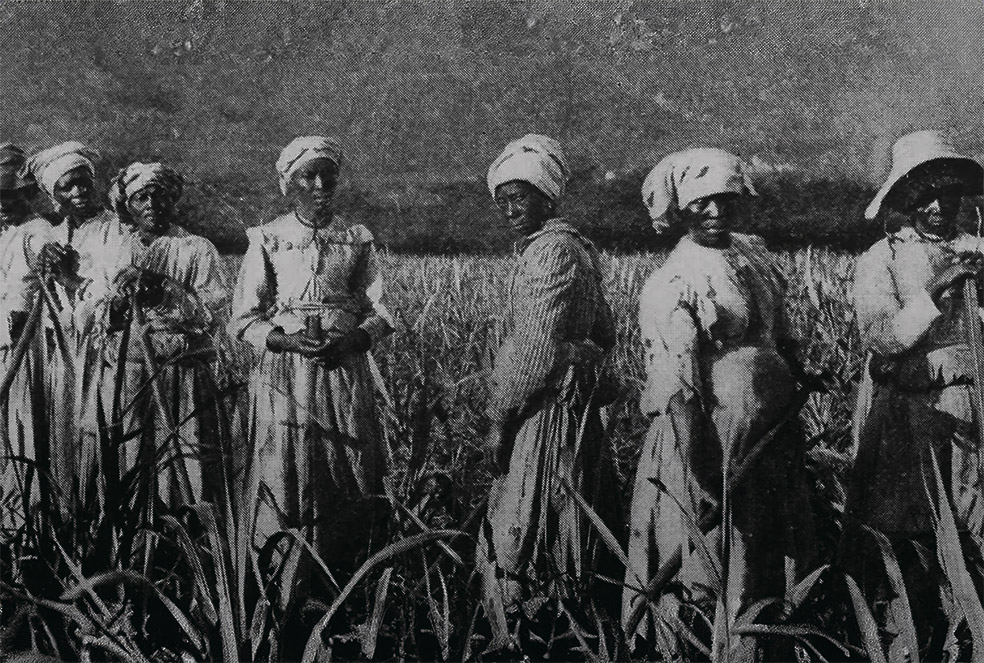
{"x": 972, "y": 329}
{"x": 22, "y": 346}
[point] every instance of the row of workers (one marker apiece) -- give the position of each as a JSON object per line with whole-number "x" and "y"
{"x": 117, "y": 312}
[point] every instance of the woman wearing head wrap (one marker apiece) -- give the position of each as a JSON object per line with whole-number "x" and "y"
{"x": 918, "y": 444}
{"x": 710, "y": 320}
{"x": 544, "y": 401}
{"x": 308, "y": 300}
{"x": 74, "y": 257}
{"x": 171, "y": 292}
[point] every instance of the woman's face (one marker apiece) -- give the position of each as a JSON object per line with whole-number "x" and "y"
{"x": 524, "y": 207}
{"x": 934, "y": 211}
{"x": 151, "y": 210}
{"x": 75, "y": 194}
{"x": 14, "y": 206}
{"x": 312, "y": 188}
{"x": 709, "y": 219}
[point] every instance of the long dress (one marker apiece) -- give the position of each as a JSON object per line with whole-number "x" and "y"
{"x": 922, "y": 391}
{"x": 317, "y": 452}
{"x": 187, "y": 465}
{"x": 558, "y": 326}
{"x": 17, "y": 440}
{"x": 921, "y": 420}
{"x": 56, "y": 360}
{"x": 709, "y": 319}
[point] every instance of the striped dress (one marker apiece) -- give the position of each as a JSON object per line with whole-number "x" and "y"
{"x": 558, "y": 327}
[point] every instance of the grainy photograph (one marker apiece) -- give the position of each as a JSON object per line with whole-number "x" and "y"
{"x": 492, "y": 330}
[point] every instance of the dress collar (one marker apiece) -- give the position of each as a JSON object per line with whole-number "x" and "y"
{"x": 550, "y": 225}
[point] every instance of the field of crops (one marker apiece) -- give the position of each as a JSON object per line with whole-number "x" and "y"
{"x": 179, "y": 587}
{"x": 434, "y": 368}
{"x": 449, "y": 312}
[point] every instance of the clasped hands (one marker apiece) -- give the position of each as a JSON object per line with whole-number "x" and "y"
{"x": 61, "y": 263}
{"x": 329, "y": 353}
{"x": 147, "y": 286}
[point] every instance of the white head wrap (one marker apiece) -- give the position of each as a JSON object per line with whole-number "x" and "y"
{"x": 304, "y": 150}
{"x": 685, "y": 176}
{"x": 535, "y": 159}
{"x": 138, "y": 176}
{"x": 49, "y": 165}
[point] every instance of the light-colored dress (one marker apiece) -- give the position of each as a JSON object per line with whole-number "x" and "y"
{"x": 317, "y": 452}
{"x": 921, "y": 397}
{"x": 709, "y": 319}
{"x": 558, "y": 327}
{"x": 17, "y": 436}
{"x": 188, "y": 466}
{"x": 60, "y": 351}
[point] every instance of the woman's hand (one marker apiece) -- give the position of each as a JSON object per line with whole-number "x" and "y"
{"x": 53, "y": 258}
{"x": 126, "y": 277}
{"x": 150, "y": 289}
{"x": 967, "y": 266}
{"x": 280, "y": 341}
{"x": 333, "y": 353}
{"x": 60, "y": 262}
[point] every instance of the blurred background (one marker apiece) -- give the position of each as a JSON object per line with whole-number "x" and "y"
{"x": 424, "y": 94}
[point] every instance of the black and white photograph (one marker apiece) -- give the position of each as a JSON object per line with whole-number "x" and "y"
{"x": 492, "y": 330}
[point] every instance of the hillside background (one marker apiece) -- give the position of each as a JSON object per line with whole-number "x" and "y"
{"x": 425, "y": 94}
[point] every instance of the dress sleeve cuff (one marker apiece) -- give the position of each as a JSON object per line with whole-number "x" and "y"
{"x": 377, "y": 327}
{"x": 914, "y": 319}
{"x": 256, "y": 333}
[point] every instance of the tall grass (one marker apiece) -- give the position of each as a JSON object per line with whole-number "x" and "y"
{"x": 151, "y": 581}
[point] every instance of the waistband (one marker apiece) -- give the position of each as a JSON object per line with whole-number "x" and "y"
{"x": 348, "y": 303}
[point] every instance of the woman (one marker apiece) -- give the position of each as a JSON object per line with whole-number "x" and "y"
{"x": 76, "y": 255}
{"x": 709, "y": 318}
{"x": 308, "y": 300}
{"x": 547, "y": 436}
{"x": 160, "y": 319}
{"x": 17, "y": 422}
{"x": 919, "y": 445}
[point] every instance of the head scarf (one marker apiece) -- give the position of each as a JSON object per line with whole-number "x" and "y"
{"x": 12, "y": 161}
{"x": 683, "y": 177}
{"x": 535, "y": 159}
{"x": 923, "y": 153}
{"x": 49, "y": 165}
{"x": 139, "y": 176}
{"x": 303, "y": 150}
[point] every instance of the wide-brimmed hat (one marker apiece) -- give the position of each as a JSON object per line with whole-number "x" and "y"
{"x": 920, "y": 153}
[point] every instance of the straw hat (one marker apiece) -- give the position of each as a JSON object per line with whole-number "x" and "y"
{"x": 912, "y": 155}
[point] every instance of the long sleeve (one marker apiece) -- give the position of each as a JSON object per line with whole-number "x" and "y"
{"x": 545, "y": 297}
{"x": 206, "y": 278}
{"x": 195, "y": 270}
{"x": 891, "y": 322}
{"x": 253, "y": 295}
{"x": 368, "y": 278}
{"x": 671, "y": 345}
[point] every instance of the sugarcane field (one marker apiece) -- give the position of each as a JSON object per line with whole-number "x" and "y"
{"x": 492, "y": 330}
